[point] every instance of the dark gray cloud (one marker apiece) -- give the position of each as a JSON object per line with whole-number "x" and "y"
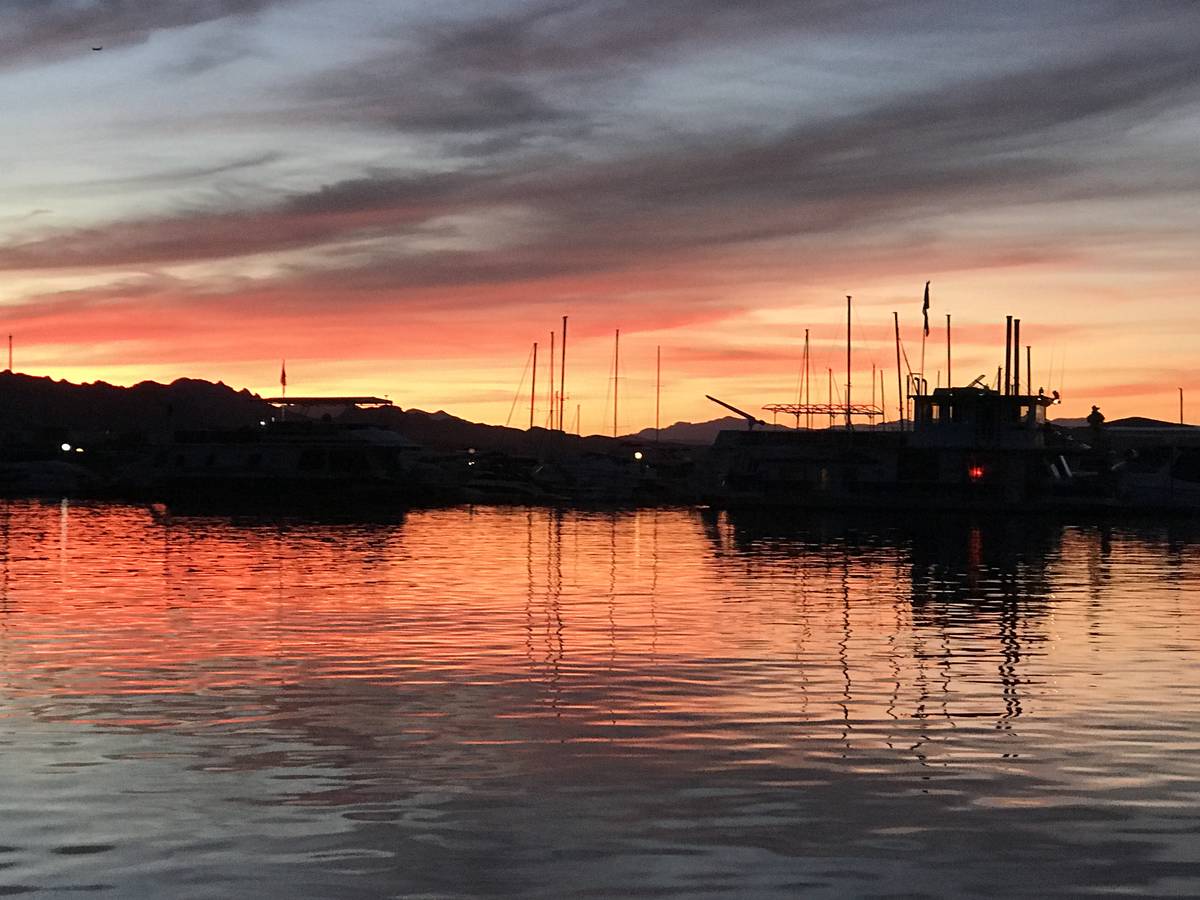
{"x": 392, "y": 93}
{"x": 501, "y": 72}
{"x": 42, "y": 31}
{"x": 594, "y": 35}
{"x": 230, "y": 46}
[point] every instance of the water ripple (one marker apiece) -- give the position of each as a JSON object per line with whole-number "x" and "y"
{"x": 539, "y": 703}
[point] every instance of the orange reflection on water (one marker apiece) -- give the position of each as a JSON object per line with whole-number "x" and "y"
{"x": 629, "y": 624}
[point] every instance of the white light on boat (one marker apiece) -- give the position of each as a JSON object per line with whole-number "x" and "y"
{"x": 66, "y": 448}
{"x": 637, "y": 454}
{"x": 78, "y": 449}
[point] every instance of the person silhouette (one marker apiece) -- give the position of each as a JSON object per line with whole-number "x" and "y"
{"x": 1095, "y": 418}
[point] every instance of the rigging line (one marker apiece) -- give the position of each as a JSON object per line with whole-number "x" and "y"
{"x": 862, "y": 336}
{"x": 800, "y": 379}
{"x": 520, "y": 388}
{"x": 904, "y": 354}
{"x": 805, "y": 362}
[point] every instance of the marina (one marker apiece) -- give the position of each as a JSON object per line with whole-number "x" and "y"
{"x": 552, "y": 450}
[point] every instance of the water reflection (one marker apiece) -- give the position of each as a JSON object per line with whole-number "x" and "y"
{"x": 538, "y": 701}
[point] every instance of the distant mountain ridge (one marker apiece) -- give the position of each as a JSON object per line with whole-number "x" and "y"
{"x": 29, "y": 403}
{"x": 42, "y": 410}
{"x": 699, "y": 433}
{"x": 32, "y": 405}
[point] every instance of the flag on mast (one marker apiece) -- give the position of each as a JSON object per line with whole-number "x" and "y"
{"x": 925, "y": 309}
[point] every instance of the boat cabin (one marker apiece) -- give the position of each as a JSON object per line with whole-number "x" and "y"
{"x": 978, "y": 417}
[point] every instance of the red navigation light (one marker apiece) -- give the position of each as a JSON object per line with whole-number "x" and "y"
{"x": 975, "y": 473}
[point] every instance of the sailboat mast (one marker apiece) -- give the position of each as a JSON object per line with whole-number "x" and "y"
{"x": 533, "y": 386}
{"x": 807, "y": 383}
{"x": 899, "y": 375}
{"x": 616, "y": 377}
{"x": 562, "y": 378}
{"x": 848, "y": 345}
{"x": 550, "y": 397}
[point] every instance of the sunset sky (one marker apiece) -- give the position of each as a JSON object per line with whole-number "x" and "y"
{"x": 400, "y": 197}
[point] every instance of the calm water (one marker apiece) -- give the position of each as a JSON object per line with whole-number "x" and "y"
{"x": 656, "y": 703}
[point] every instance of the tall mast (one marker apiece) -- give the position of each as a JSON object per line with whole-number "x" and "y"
{"x": 848, "y": 343}
{"x": 533, "y": 386}
{"x": 10, "y": 368}
{"x": 616, "y": 376}
{"x": 807, "y": 383}
{"x": 550, "y": 392}
{"x": 562, "y": 378}
{"x": 899, "y": 374}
